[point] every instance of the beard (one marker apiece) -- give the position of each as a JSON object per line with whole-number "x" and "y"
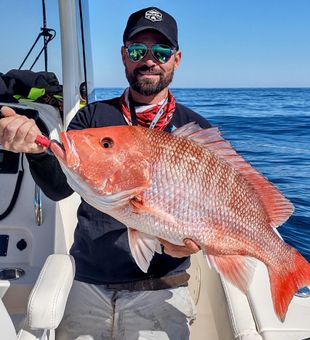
{"x": 148, "y": 87}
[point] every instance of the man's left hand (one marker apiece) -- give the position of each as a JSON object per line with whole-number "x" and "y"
{"x": 189, "y": 248}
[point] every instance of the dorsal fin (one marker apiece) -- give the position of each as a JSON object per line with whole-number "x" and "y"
{"x": 276, "y": 205}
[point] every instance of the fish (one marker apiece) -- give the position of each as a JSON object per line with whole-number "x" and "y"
{"x": 190, "y": 183}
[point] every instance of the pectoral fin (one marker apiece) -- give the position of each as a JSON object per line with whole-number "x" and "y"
{"x": 142, "y": 247}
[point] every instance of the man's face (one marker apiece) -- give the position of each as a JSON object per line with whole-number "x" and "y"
{"x": 148, "y": 76}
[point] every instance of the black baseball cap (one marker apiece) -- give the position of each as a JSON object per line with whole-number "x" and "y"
{"x": 155, "y": 19}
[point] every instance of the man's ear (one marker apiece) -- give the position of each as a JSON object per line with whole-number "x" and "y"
{"x": 177, "y": 59}
{"x": 123, "y": 53}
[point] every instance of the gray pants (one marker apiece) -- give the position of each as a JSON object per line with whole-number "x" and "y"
{"x": 95, "y": 313}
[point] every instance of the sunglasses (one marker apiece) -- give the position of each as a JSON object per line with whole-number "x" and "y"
{"x": 160, "y": 52}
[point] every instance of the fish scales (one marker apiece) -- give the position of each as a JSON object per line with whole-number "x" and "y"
{"x": 192, "y": 167}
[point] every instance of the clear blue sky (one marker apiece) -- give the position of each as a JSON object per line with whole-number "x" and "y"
{"x": 225, "y": 43}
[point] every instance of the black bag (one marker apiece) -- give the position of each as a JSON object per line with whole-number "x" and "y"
{"x": 20, "y": 82}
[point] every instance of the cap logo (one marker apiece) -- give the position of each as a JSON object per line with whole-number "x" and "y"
{"x": 153, "y": 15}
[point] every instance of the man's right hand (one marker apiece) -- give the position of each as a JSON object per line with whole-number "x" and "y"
{"x": 18, "y": 133}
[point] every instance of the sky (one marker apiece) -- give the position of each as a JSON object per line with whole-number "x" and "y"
{"x": 224, "y": 43}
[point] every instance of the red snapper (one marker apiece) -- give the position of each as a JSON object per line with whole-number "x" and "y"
{"x": 188, "y": 184}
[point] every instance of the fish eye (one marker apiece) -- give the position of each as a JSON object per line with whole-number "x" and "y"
{"x": 107, "y": 142}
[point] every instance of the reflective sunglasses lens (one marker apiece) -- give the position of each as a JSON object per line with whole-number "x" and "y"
{"x": 136, "y": 52}
{"x": 162, "y": 53}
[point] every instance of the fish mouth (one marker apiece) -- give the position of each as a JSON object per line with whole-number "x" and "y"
{"x": 58, "y": 150}
{"x": 65, "y": 152}
{"x": 59, "y": 146}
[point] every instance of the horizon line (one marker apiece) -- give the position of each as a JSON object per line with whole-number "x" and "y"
{"x": 209, "y": 87}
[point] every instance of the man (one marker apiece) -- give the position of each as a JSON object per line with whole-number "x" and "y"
{"x": 111, "y": 297}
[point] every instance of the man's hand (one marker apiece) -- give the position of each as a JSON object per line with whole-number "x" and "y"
{"x": 189, "y": 248}
{"x": 18, "y": 133}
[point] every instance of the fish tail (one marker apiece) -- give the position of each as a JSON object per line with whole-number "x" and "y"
{"x": 284, "y": 285}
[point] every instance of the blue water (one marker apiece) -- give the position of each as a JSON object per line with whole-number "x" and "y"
{"x": 271, "y": 129}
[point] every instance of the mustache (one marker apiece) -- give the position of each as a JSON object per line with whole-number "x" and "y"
{"x": 148, "y": 69}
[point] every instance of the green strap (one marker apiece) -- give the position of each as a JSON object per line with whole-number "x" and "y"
{"x": 35, "y": 93}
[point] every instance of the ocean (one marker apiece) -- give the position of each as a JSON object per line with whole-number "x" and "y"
{"x": 270, "y": 128}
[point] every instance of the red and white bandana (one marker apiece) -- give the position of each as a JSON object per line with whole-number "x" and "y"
{"x": 146, "y": 113}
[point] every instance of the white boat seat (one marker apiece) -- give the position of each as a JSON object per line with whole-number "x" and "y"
{"x": 253, "y": 316}
{"x": 46, "y": 303}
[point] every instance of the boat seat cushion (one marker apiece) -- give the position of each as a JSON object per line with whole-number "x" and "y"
{"x": 254, "y": 313}
{"x": 48, "y": 297}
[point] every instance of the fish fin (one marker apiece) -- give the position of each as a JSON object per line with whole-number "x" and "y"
{"x": 142, "y": 247}
{"x": 186, "y": 130}
{"x": 158, "y": 248}
{"x": 239, "y": 270}
{"x": 285, "y": 284}
{"x": 137, "y": 203}
{"x": 139, "y": 207}
{"x": 277, "y": 207}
